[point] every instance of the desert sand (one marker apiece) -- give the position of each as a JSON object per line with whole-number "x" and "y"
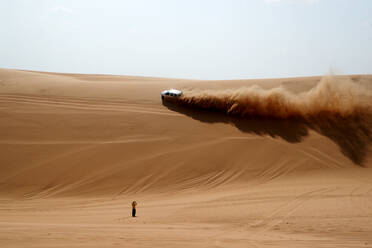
{"x": 76, "y": 150}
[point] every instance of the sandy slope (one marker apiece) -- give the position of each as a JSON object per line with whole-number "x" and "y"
{"x": 75, "y": 150}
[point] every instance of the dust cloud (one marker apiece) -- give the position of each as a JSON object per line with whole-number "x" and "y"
{"x": 331, "y": 97}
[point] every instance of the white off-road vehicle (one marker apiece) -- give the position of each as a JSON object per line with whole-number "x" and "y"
{"x": 170, "y": 94}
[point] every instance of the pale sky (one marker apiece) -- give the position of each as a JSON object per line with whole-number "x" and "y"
{"x": 198, "y": 39}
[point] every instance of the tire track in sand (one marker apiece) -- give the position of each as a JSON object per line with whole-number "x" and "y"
{"x": 279, "y": 215}
{"x": 94, "y": 105}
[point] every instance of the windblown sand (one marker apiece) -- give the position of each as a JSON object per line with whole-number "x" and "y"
{"x": 76, "y": 150}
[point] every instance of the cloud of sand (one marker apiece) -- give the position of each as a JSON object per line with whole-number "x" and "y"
{"x": 331, "y": 97}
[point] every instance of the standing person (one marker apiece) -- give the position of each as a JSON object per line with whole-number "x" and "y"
{"x": 134, "y": 204}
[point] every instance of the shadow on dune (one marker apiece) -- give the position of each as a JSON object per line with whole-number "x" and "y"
{"x": 352, "y": 135}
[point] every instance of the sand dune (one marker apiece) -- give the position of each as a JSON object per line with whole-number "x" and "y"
{"x": 75, "y": 150}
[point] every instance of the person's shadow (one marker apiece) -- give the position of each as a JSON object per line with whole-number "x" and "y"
{"x": 353, "y": 135}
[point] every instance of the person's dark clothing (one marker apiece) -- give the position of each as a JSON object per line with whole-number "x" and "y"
{"x": 134, "y": 204}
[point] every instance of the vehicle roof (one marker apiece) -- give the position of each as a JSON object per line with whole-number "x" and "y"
{"x": 173, "y": 91}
